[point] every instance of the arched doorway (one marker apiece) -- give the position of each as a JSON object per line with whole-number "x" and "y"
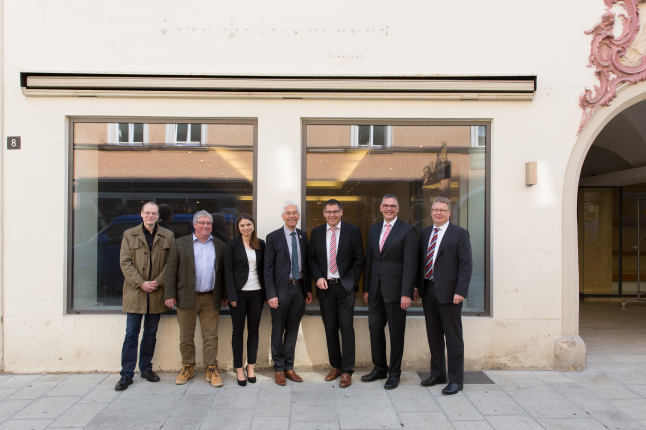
{"x": 602, "y": 183}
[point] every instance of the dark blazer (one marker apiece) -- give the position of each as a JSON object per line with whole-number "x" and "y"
{"x": 453, "y": 264}
{"x": 179, "y": 274}
{"x": 278, "y": 264}
{"x": 349, "y": 256}
{"x": 236, "y": 267}
{"x": 395, "y": 267}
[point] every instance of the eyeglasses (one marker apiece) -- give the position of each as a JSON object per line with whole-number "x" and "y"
{"x": 151, "y": 214}
{"x": 439, "y": 210}
{"x": 336, "y": 212}
{"x": 205, "y": 223}
{"x": 389, "y": 206}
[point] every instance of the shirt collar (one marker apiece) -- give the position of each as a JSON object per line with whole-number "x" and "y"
{"x": 337, "y": 226}
{"x": 392, "y": 223}
{"x": 442, "y": 228}
{"x": 143, "y": 227}
{"x": 195, "y": 238}
{"x": 288, "y": 232}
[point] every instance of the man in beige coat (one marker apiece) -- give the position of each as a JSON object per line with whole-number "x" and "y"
{"x": 144, "y": 252}
{"x": 193, "y": 281}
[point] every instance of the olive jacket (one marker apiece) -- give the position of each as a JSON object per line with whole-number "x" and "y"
{"x": 179, "y": 276}
{"x": 135, "y": 261}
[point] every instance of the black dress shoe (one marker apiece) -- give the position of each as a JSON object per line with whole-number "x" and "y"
{"x": 251, "y": 379}
{"x": 452, "y": 388}
{"x": 373, "y": 376}
{"x": 123, "y": 383}
{"x": 391, "y": 383}
{"x": 150, "y": 375}
{"x": 433, "y": 380}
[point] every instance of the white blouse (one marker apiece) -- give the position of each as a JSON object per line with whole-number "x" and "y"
{"x": 252, "y": 282}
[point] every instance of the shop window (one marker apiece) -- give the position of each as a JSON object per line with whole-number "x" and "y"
{"x": 357, "y": 164}
{"x": 112, "y": 178}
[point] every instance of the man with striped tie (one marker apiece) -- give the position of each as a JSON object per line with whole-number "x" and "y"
{"x": 444, "y": 276}
{"x": 335, "y": 256}
{"x": 388, "y": 284}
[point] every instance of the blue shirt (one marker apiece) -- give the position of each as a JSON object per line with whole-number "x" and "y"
{"x": 204, "y": 264}
{"x": 288, "y": 236}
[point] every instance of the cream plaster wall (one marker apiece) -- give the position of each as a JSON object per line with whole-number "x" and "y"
{"x": 286, "y": 37}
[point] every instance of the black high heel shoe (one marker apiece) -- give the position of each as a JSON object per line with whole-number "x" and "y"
{"x": 242, "y": 383}
{"x": 251, "y": 379}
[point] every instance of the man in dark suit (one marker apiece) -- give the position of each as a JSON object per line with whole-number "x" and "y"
{"x": 335, "y": 256}
{"x": 193, "y": 281}
{"x": 288, "y": 290}
{"x": 388, "y": 285}
{"x": 443, "y": 282}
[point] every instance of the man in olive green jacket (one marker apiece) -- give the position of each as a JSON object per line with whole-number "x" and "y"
{"x": 193, "y": 281}
{"x": 144, "y": 252}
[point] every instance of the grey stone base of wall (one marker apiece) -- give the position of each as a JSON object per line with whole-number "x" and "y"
{"x": 569, "y": 354}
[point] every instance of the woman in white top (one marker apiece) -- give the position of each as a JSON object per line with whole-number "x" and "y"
{"x": 243, "y": 273}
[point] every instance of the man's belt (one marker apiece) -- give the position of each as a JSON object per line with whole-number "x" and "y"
{"x": 334, "y": 281}
{"x": 295, "y": 281}
{"x": 199, "y": 293}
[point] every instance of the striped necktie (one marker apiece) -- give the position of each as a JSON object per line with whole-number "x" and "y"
{"x": 383, "y": 240}
{"x": 430, "y": 254}
{"x": 333, "y": 268}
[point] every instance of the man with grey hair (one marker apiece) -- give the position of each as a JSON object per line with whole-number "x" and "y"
{"x": 194, "y": 283}
{"x": 443, "y": 281}
{"x": 288, "y": 290}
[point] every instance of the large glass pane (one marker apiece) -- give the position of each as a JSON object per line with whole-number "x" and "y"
{"x": 110, "y": 187}
{"x": 632, "y": 238}
{"x": 423, "y": 163}
{"x": 196, "y": 133}
{"x": 182, "y": 132}
{"x": 138, "y": 133}
{"x": 124, "y": 135}
{"x": 378, "y": 135}
{"x": 364, "y": 135}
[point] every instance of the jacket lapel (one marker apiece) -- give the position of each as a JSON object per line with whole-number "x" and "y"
{"x": 283, "y": 239}
{"x": 393, "y": 230}
{"x": 447, "y": 234}
{"x": 215, "y": 263}
{"x": 189, "y": 250}
{"x": 341, "y": 240}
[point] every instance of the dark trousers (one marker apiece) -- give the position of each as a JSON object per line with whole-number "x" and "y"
{"x": 147, "y": 347}
{"x": 249, "y": 307}
{"x": 380, "y": 313}
{"x": 284, "y": 328}
{"x": 444, "y": 321}
{"x": 337, "y": 311}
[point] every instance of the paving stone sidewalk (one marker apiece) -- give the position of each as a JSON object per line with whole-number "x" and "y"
{"x": 603, "y": 397}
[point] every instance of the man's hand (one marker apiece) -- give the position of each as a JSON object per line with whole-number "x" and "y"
{"x": 273, "y": 303}
{"x": 224, "y": 303}
{"x": 308, "y": 299}
{"x": 322, "y": 283}
{"x": 233, "y": 304}
{"x": 365, "y": 297}
{"x": 416, "y": 295}
{"x": 149, "y": 286}
{"x": 170, "y": 303}
{"x": 405, "y": 302}
{"x": 457, "y": 299}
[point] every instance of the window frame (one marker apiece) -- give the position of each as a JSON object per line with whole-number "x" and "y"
{"x": 69, "y": 197}
{"x": 354, "y": 137}
{"x": 171, "y": 134}
{"x": 488, "y": 308}
{"x": 113, "y": 134}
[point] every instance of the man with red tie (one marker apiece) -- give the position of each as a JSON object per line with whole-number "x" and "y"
{"x": 388, "y": 285}
{"x": 443, "y": 282}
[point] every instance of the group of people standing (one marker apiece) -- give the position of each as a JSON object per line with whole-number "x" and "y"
{"x": 198, "y": 274}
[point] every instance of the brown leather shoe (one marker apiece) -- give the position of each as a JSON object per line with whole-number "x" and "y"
{"x": 334, "y": 373}
{"x": 346, "y": 380}
{"x": 290, "y": 374}
{"x": 280, "y": 378}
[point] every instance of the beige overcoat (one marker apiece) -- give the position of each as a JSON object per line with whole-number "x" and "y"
{"x": 134, "y": 265}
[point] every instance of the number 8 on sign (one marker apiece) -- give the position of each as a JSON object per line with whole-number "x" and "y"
{"x": 13, "y": 142}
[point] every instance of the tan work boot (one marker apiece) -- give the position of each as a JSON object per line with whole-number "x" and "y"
{"x": 187, "y": 373}
{"x": 213, "y": 377}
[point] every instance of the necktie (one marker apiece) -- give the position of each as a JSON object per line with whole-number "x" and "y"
{"x": 295, "y": 270}
{"x": 383, "y": 240}
{"x": 430, "y": 254}
{"x": 333, "y": 267}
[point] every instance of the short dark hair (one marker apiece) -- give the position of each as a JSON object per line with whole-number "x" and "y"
{"x": 390, "y": 196}
{"x": 166, "y": 212}
{"x": 332, "y": 202}
{"x": 150, "y": 203}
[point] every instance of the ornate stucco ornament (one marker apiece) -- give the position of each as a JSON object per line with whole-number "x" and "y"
{"x": 619, "y": 61}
